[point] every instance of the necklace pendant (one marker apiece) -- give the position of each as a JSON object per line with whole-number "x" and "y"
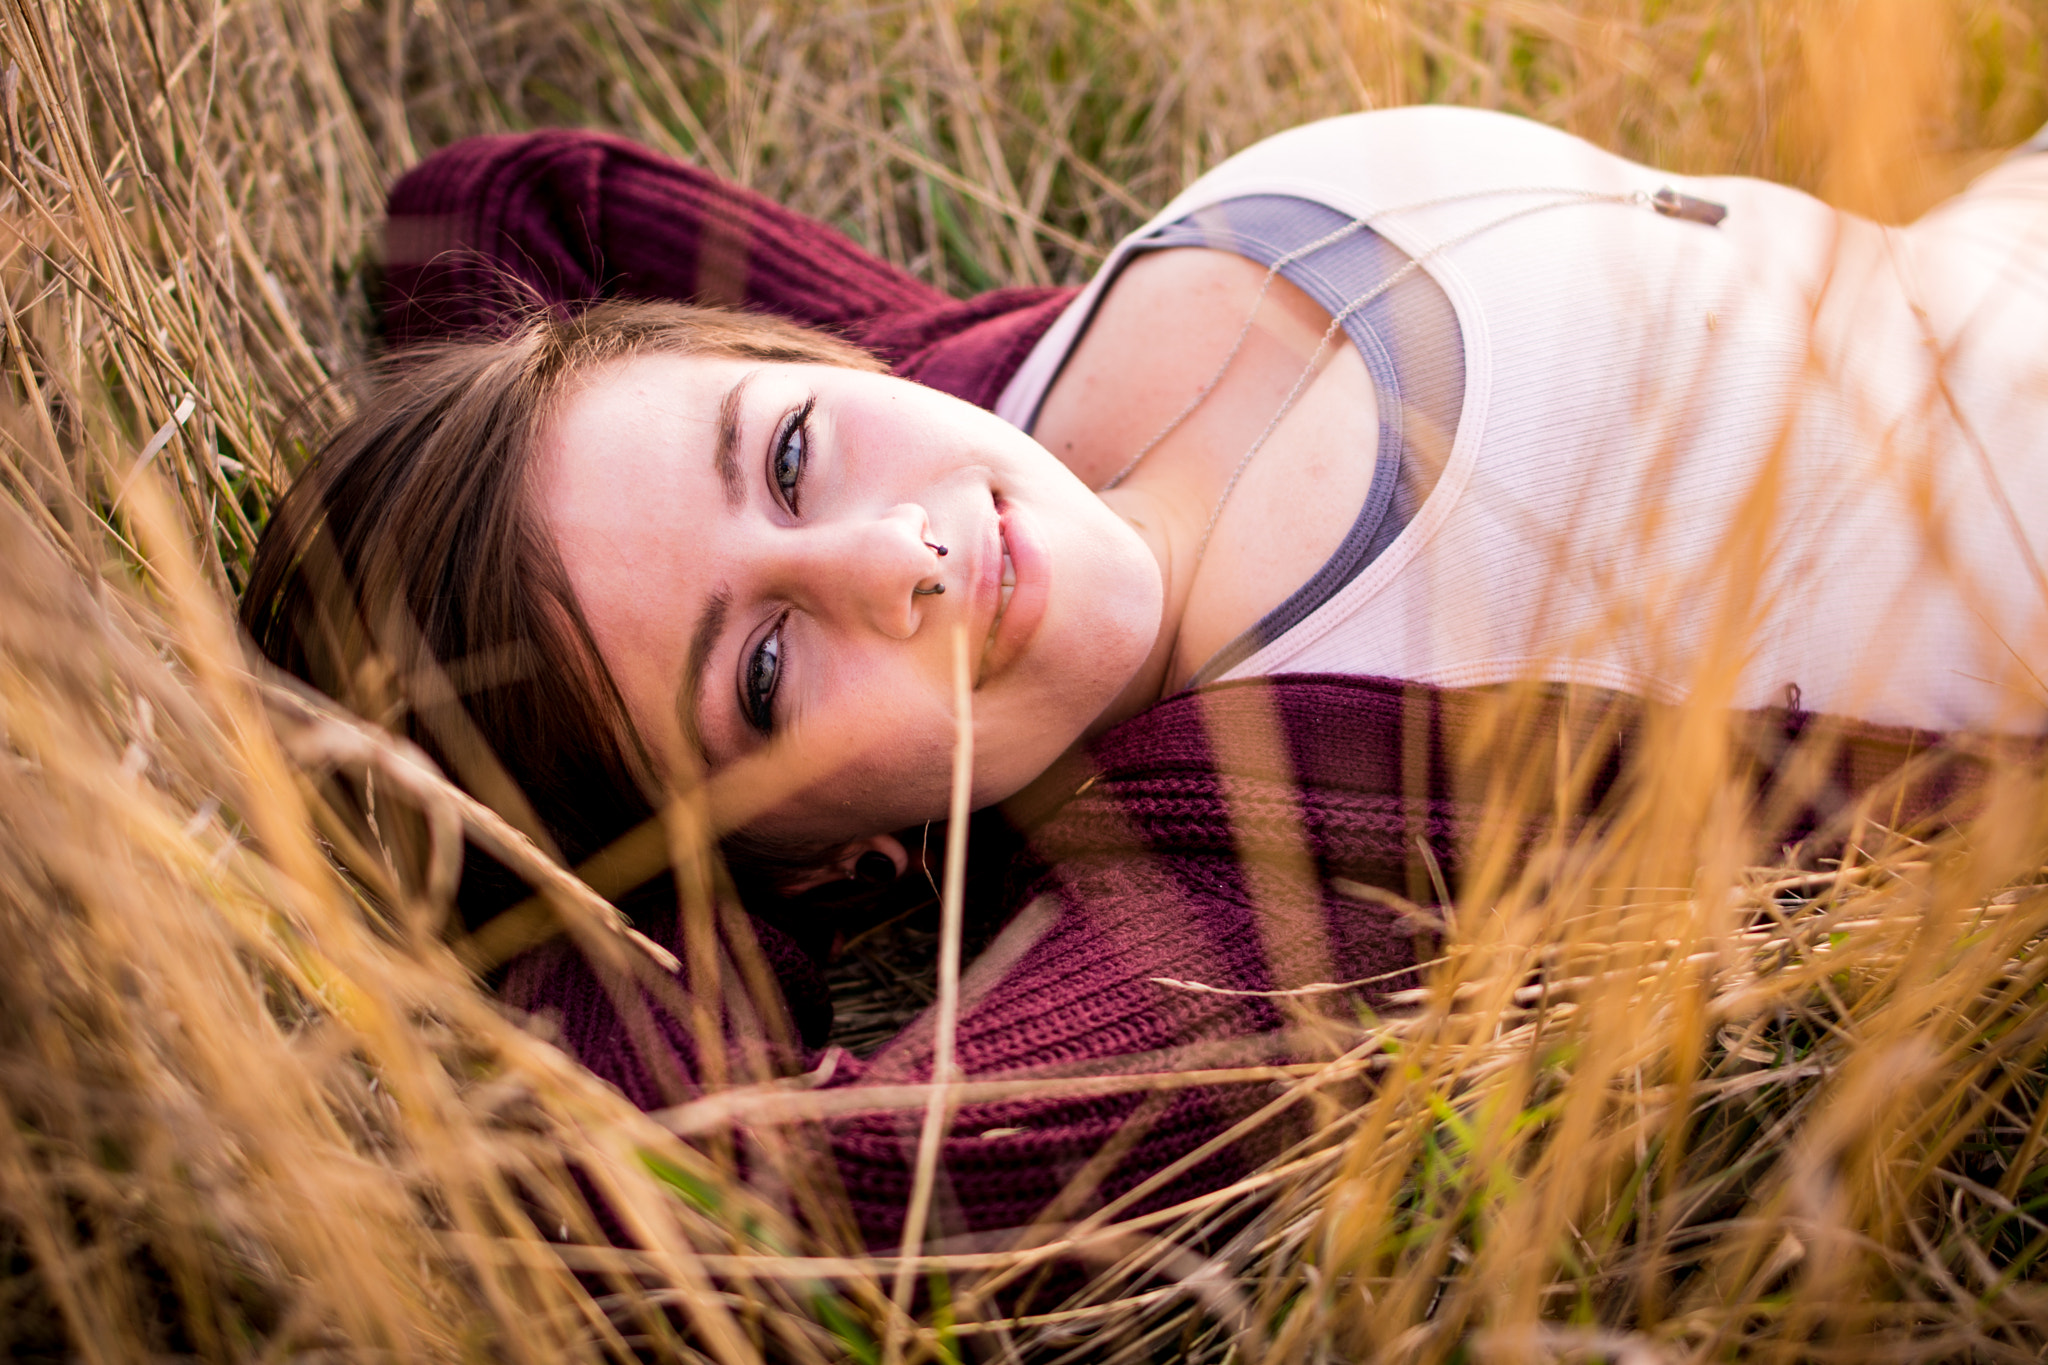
{"x": 1672, "y": 204}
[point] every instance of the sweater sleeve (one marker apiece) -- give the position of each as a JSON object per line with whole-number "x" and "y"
{"x": 494, "y": 225}
{"x": 1117, "y": 968}
{"x": 1149, "y": 916}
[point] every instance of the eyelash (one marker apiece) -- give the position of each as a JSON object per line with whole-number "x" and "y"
{"x": 760, "y": 711}
{"x": 796, "y": 429}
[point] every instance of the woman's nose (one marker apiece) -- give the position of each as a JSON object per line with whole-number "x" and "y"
{"x": 877, "y": 570}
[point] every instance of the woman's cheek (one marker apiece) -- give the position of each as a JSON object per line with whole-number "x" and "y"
{"x": 904, "y": 776}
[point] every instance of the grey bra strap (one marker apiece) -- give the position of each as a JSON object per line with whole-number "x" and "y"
{"x": 1412, "y": 347}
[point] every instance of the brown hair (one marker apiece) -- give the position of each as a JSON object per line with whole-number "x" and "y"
{"x": 405, "y": 574}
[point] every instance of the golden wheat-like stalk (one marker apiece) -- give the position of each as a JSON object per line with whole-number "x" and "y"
{"x": 1677, "y": 1096}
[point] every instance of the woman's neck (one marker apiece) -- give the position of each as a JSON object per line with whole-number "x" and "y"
{"x": 1168, "y": 517}
{"x": 1168, "y": 532}
{"x": 1302, "y": 408}
{"x": 1242, "y": 496}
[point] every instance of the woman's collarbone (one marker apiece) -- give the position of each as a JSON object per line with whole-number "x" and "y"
{"x": 1295, "y": 395}
{"x": 1294, "y": 504}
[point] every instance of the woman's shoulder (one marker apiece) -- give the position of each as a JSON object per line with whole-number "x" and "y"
{"x": 1439, "y": 142}
{"x": 1409, "y": 121}
{"x": 1439, "y": 159}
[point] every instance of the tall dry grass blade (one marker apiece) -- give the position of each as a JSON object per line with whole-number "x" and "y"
{"x": 1641, "y": 1104}
{"x": 945, "y": 1069}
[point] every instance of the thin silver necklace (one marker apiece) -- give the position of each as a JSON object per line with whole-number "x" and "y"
{"x": 1666, "y": 201}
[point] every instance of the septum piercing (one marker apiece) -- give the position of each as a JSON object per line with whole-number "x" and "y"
{"x": 935, "y": 589}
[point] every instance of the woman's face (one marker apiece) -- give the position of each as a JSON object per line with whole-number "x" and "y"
{"x": 745, "y": 539}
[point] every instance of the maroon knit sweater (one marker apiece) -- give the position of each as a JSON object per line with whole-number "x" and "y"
{"x": 1169, "y": 864}
{"x": 497, "y": 223}
{"x": 1201, "y": 839}
{"x": 1200, "y": 846}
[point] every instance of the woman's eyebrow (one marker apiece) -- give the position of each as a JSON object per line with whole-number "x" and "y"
{"x": 690, "y": 689}
{"x": 725, "y": 449}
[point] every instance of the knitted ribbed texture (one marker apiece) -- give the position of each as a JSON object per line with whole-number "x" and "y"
{"x": 1200, "y": 849}
{"x": 1163, "y": 867}
{"x": 497, "y": 223}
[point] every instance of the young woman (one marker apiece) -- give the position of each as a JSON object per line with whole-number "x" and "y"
{"x": 1428, "y": 395}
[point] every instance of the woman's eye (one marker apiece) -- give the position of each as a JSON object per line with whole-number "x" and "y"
{"x": 763, "y": 671}
{"x": 792, "y": 449}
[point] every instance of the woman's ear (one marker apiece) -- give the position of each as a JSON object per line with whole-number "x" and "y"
{"x": 877, "y": 860}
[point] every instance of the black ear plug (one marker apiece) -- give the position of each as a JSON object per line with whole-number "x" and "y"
{"x": 875, "y": 867}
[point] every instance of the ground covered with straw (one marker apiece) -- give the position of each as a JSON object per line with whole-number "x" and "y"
{"x": 1679, "y": 1097}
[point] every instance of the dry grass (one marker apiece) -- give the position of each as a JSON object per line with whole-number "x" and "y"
{"x": 1665, "y": 1104}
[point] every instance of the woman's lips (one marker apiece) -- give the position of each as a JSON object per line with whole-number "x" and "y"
{"x": 1016, "y": 585}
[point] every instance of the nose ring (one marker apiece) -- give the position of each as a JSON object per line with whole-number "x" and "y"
{"x": 935, "y": 589}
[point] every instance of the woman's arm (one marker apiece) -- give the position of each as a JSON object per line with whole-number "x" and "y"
{"x": 496, "y": 224}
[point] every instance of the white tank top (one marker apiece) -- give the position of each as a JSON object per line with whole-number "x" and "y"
{"x": 1794, "y": 449}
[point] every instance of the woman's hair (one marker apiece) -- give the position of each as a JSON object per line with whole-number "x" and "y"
{"x": 406, "y": 572}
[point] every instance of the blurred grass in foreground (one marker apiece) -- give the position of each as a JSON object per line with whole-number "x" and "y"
{"x": 1673, "y": 1101}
